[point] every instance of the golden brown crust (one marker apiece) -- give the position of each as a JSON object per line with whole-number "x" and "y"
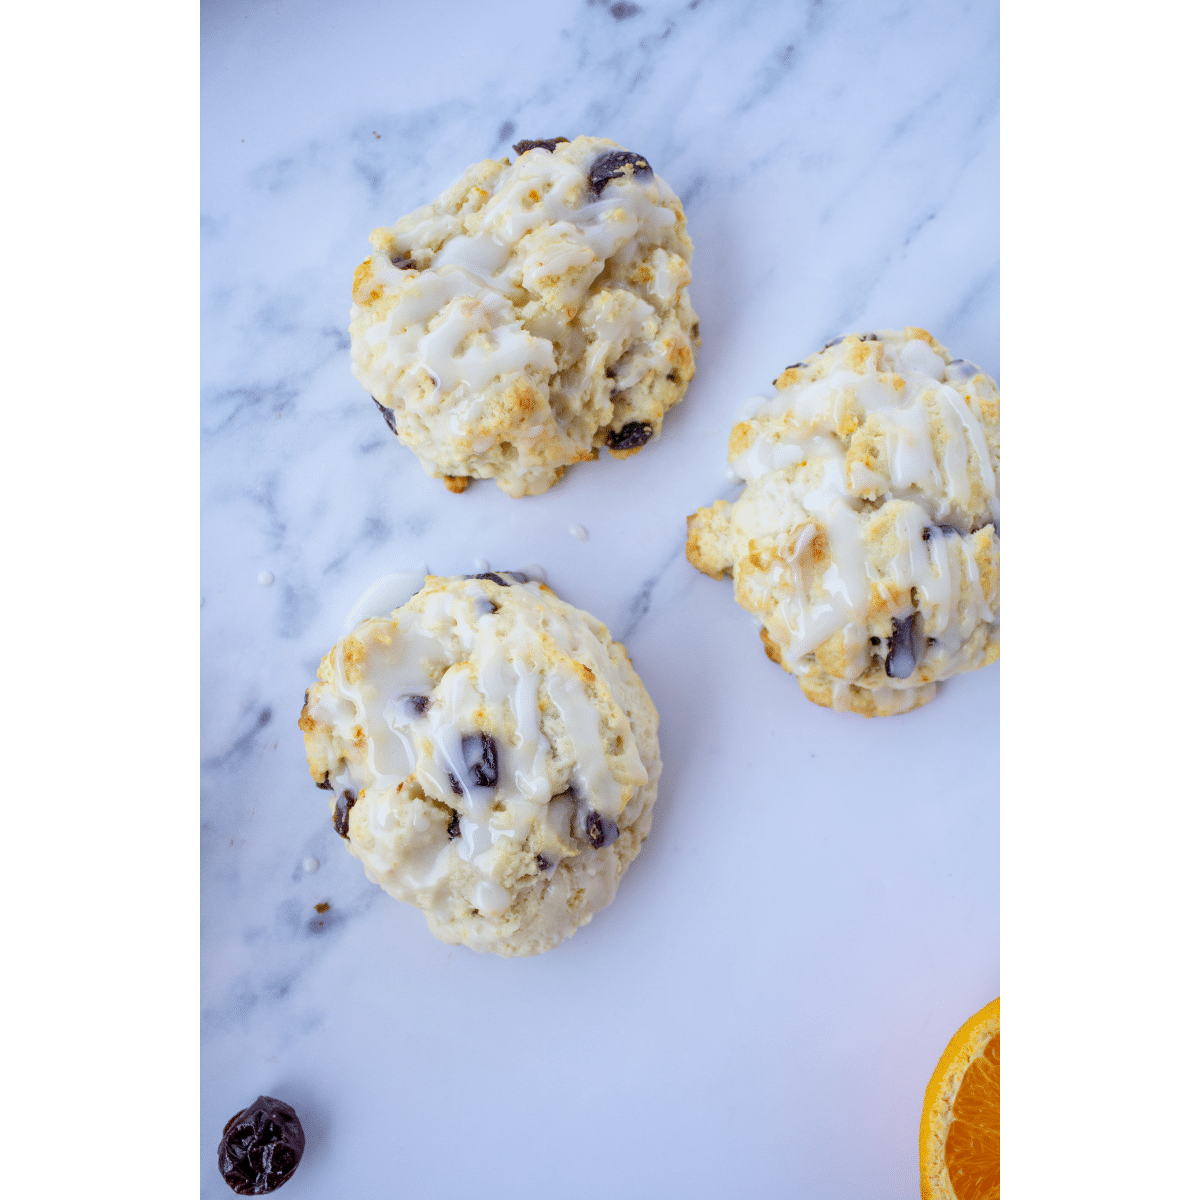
{"x": 770, "y": 647}
{"x": 703, "y": 547}
{"x": 598, "y": 344}
{"x": 786, "y": 555}
{"x": 579, "y": 674}
{"x": 819, "y": 687}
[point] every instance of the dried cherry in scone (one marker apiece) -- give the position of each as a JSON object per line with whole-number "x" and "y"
{"x": 629, "y": 437}
{"x": 523, "y": 147}
{"x": 388, "y": 415}
{"x": 341, "y": 812}
{"x": 600, "y": 831}
{"x": 261, "y": 1147}
{"x": 612, "y": 166}
{"x": 479, "y": 751}
{"x": 901, "y": 659}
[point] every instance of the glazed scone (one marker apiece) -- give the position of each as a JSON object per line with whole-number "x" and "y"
{"x": 866, "y": 540}
{"x": 493, "y": 759}
{"x": 534, "y": 313}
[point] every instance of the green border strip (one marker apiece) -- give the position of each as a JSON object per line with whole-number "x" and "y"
{"x": 1098, "y": 807}
{"x": 101, "y": 479}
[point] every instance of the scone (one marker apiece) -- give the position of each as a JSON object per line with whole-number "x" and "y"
{"x": 534, "y": 313}
{"x": 867, "y": 538}
{"x": 493, "y": 759}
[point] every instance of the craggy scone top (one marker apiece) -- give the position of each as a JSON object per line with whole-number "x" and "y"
{"x": 534, "y": 313}
{"x": 492, "y": 757}
{"x": 866, "y": 540}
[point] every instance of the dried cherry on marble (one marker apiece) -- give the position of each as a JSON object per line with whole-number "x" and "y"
{"x": 261, "y": 1147}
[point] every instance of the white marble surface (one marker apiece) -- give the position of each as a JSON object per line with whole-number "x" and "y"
{"x": 815, "y": 912}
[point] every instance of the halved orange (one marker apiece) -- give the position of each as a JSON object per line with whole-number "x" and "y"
{"x": 960, "y": 1123}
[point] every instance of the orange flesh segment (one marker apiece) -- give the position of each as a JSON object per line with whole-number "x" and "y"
{"x": 973, "y": 1141}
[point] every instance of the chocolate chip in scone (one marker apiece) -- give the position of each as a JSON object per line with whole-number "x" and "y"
{"x": 874, "y": 641}
{"x": 672, "y": 377}
{"x": 479, "y": 751}
{"x": 388, "y": 415}
{"x": 543, "y": 863}
{"x": 612, "y": 166}
{"x": 868, "y": 337}
{"x": 324, "y": 783}
{"x": 901, "y": 659}
{"x": 452, "y": 829}
{"x": 416, "y": 704}
{"x": 455, "y": 786}
{"x": 405, "y": 263}
{"x": 926, "y": 534}
{"x": 609, "y": 373}
{"x": 628, "y": 437}
{"x": 601, "y": 831}
{"x": 341, "y": 812}
{"x": 261, "y": 1147}
{"x": 485, "y": 607}
{"x": 523, "y": 147}
{"x": 491, "y": 575}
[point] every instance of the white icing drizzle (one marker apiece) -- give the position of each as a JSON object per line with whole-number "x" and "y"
{"x": 386, "y": 594}
{"x": 927, "y": 485}
{"x": 415, "y": 704}
{"x": 457, "y": 321}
